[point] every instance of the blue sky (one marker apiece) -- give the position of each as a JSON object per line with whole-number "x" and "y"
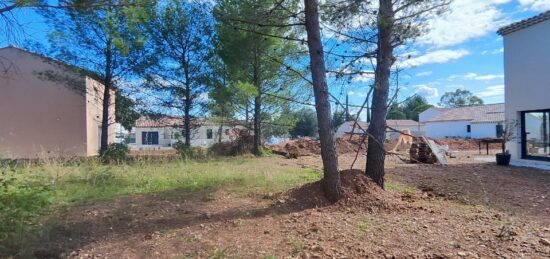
{"x": 460, "y": 50}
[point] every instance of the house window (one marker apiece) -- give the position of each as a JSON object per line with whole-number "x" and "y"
{"x": 150, "y": 138}
{"x": 535, "y": 135}
{"x": 209, "y": 133}
{"x": 500, "y": 130}
{"x": 469, "y": 128}
{"x": 226, "y": 131}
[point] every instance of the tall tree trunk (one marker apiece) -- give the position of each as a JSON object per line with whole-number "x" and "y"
{"x": 187, "y": 106}
{"x": 257, "y": 125}
{"x": 331, "y": 177}
{"x": 257, "y": 112}
{"x": 377, "y": 128}
{"x": 108, "y": 86}
{"x": 220, "y": 130}
{"x": 247, "y": 119}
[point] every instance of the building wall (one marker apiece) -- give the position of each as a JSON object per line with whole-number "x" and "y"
{"x": 347, "y": 127}
{"x": 527, "y": 76}
{"x": 167, "y": 136}
{"x": 419, "y": 130}
{"x": 446, "y": 129}
{"x": 484, "y": 130}
{"x": 39, "y": 117}
{"x": 427, "y": 114}
{"x": 94, "y": 108}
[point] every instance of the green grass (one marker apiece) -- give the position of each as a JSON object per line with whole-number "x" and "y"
{"x": 30, "y": 190}
{"x": 92, "y": 180}
{"x": 363, "y": 226}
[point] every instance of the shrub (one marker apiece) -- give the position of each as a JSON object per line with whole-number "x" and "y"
{"x": 116, "y": 153}
{"x": 188, "y": 153}
{"x": 21, "y": 202}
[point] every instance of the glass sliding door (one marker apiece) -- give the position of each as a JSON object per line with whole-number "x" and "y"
{"x": 535, "y": 137}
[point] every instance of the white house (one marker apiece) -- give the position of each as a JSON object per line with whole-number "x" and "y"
{"x": 414, "y": 127}
{"x": 348, "y": 127}
{"x": 527, "y": 88}
{"x": 163, "y": 132}
{"x": 483, "y": 121}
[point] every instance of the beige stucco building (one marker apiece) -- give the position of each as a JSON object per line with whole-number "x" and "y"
{"x": 163, "y": 132}
{"x": 48, "y": 108}
{"x": 527, "y": 89}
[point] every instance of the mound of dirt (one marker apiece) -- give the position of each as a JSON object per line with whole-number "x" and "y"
{"x": 310, "y": 147}
{"x": 462, "y": 144}
{"x": 358, "y": 191}
{"x": 297, "y": 148}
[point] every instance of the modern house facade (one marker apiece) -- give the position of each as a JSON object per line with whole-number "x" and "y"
{"x": 527, "y": 88}
{"x": 47, "y": 108}
{"x": 414, "y": 127}
{"x": 159, "y": 133}
{"x": 483, "y": 121}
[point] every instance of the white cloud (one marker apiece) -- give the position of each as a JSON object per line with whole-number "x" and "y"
{"x": 434, "y": 57}
{"x": 492, "y": 91}
{"x": 203, "y": 97}
{"x": 493, "y": 52}
{"x": 425, "y": 73}
{"x": 497, "y": 51}
{"x": 536, "y": 5}
{"x": 363, "y": 77}
{"x": 474, "y": 76}
{"x": 358, "y": 94}
{"x": 455, "y": 86}
{"x": 465, "y": 20}
{"x": 427, "y": 91}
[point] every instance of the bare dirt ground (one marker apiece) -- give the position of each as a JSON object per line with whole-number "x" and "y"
{"x": 469, "y": 209}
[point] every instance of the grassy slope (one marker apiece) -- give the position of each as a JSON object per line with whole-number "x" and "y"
{"x": 32, "y": 189}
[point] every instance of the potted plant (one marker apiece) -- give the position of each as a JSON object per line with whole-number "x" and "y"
{"x": 508, "y": 134}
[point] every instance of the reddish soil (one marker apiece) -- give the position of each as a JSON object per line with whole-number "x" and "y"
{"x": 460, "y": 144}
{"x": 349, "y": 144}
{"x": 468, "y": 209}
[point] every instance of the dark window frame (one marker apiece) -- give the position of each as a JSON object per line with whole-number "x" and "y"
{"x": 148, "y": 138}
{"x": 469, "y": 128}
{"x": 499, "y": 130}
{"x": 209, "y": 134}
{"x": 523, "y": 137}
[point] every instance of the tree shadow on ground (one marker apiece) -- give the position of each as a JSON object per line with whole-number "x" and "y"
{"x": 140, "y": 216}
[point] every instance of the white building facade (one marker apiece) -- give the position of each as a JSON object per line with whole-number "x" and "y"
{"x": 483, "y": 121}
{"x": 349, "y": 127}
{"x": 527, "y": 89}
{"x": 164, "y": 132}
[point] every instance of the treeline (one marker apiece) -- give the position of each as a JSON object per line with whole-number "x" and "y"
{"x": 254, "y": 60}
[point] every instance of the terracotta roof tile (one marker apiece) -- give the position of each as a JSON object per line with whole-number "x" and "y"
{"x": 524, "y": 23}
{"x": 474, "y": 114}
{"x": 402, "y": 123}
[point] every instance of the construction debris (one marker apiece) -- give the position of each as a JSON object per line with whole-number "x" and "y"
{"x": 425, "y": 150}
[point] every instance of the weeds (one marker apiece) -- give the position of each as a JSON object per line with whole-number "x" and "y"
{"x": 364, "y": 226}
{"x": 297, "y": 245}
{"x": 22, "y": 200}
{"x": 26, "y": 191}
{"x": 219, "y": 254}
